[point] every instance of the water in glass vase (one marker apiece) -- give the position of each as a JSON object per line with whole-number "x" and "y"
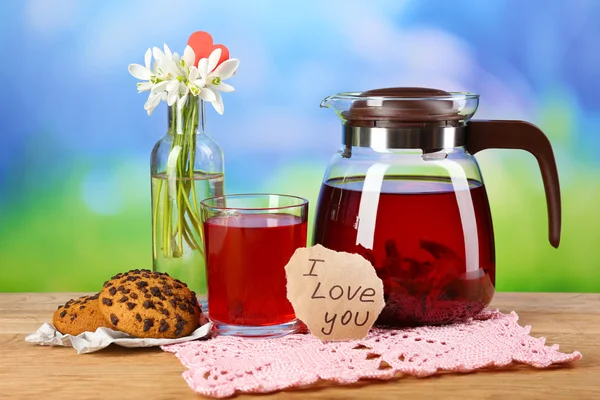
{"x": 177, "y": 236}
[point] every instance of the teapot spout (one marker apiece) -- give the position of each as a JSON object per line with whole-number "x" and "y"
{"x": 327, "y": 102}
{"x": 340, "y": 102}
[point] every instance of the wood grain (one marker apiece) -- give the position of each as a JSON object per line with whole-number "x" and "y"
{"x": 30, "y": 371}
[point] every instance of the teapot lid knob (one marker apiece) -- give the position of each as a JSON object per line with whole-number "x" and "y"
{"x": 406, "y": 92}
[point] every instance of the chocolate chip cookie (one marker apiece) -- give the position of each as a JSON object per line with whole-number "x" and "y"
{"x": 79, "y": 315}
{"x": 150, "y": 304}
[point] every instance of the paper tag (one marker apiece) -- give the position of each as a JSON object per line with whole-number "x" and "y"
{"x": 337, "y": 295}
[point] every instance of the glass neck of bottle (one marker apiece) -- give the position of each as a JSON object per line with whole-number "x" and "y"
{"x": 190, "y": 119}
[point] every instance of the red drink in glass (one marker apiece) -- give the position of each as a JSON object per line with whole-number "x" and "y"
{"x": 249, "y": 240}
{"x": 246, "y": 258}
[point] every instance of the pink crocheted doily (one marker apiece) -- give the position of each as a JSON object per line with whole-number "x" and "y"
{"x": 221, "y": 366}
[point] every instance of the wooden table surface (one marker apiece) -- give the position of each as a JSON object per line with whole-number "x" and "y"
{"x": 31, "y": 371}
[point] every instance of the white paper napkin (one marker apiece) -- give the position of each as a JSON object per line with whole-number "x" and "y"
{"x": 88, "y": 342}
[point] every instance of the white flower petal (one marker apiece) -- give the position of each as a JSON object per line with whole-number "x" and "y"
{"x": 148, "y": 59}
{"x": 227, "y": 69}
{"x": 144, "y": 86}
{"x": 172, "y": 98}
{"x": 218, "y": 103}
{"x": 158, "y": 54}
{"x": 168, "y": 53}
{"x": 183, "y": 89}
{"x": 139, "y": 71}
{"x": 207, "y": 95}
{"x": 172, "y": 86}
{"x": 159, "y": 70}
{"x": 199, "y": 83}
{"x": 182, "y": 100}
{"x": 189, "y": 56}
{"x": 156, "y": 99}
{"x": 203, "y": 67}
{"x": 173, "y": 69}
{"x": 160, "y": 87}
{"x": 164, "y": 95}
{"x": 194, "y": 74}
{"x": 153, "y": 100}
{"x": 213, "y": 59}
{"x": 224, "y": 87}
{"x": 172, "y": 171}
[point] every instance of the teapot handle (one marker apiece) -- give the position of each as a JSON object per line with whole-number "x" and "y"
{"x": 496, "y": 134}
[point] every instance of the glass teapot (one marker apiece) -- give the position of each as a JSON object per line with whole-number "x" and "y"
{"x": 406, "y": 193}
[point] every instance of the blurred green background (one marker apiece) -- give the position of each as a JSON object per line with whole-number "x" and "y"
{"x": 74, "y": 156}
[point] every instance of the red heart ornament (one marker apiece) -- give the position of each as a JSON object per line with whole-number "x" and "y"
{"x": 202, "y": 44}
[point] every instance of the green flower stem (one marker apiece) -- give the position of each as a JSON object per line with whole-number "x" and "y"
{"x": 192, "y": 144}
{"x": 189, "y": 239}
{"x": 166, "y": 222}
{"x": 181, "y": 219}
{"x": 155, "y": 216}
{"x": 180, "y": 227}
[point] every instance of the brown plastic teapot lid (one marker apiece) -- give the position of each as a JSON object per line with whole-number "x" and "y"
{"x": 404, "y": 107}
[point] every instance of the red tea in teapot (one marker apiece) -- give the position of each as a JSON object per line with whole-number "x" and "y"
{"x": 432, "y": 246}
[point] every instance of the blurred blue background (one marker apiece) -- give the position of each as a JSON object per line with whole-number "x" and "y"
{"x": 74, "y": 154}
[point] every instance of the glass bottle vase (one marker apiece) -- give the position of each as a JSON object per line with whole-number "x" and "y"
{"x": 186, "y": 168}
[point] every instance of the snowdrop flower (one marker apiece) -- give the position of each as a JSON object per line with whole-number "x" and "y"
{"x": 182, "y": 94}
{"x": 187, "y": 60}
{"x": 152, "y": 102}
{"x": 214, "y": 77}
{"x": 166, "y": 64}
{"x": 157, "y": 75}
{"x": 172, "y": 78}
{"x": 173, "y": 69}
{"x": 143, "y": 73}
{"x": 186, "y": 64}
{"x": 166, "y": 79}
{"x": 197, "y": 85}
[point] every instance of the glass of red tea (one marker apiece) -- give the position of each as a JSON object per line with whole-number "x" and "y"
{"x": 249, "y": 239}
